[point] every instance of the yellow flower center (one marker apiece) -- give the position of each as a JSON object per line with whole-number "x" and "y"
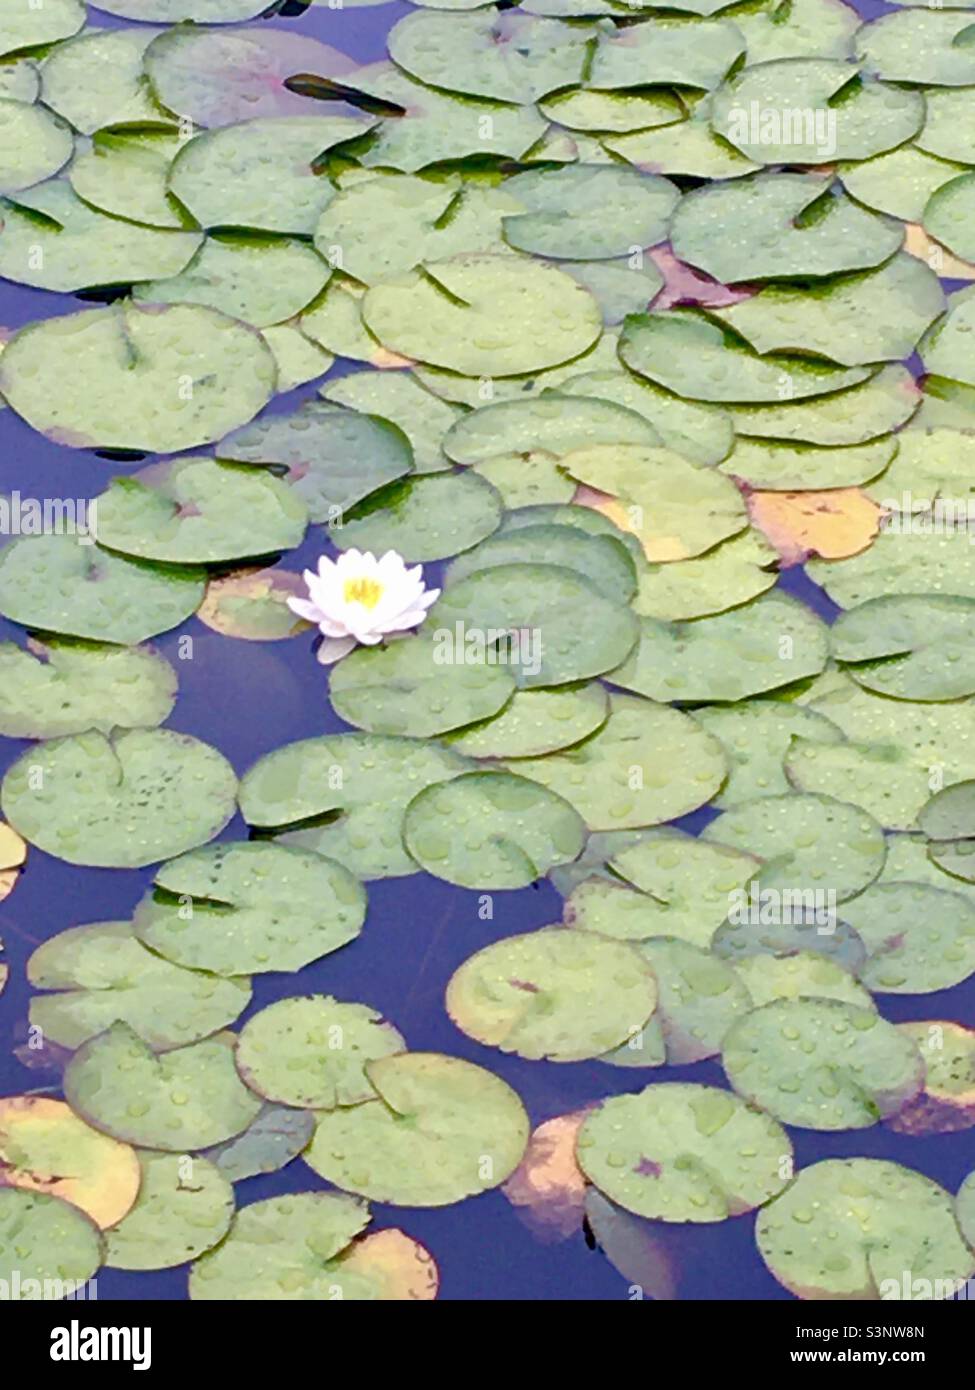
{"x": 366, "y": 591}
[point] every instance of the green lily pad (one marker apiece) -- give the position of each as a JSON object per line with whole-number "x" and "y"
{"x": 125, "y": 173}
{"x": 120, "y": 803}
{"x": 564, "y": 211}
{"x": 20, "y": 79}
{"x": 544, "y": 602}
{"x": 682, "y": 1153}
{"x": 854, "y": 416}
{"x": 919, "y": 939}
{"x": 864, "y": 1228}
{"x": 345, "y": 796}
{"x": 258, "y": 280}
{"x": 418, "y": 686}
{"x": 699, "y": 998}
{"x": 813, "y": 111}
{"x": 312, "y": 1052}
{"x": 874, "y": 316}
{"x": 425, "y": 518}
{"x": 535, "y": 722}
{"x": 688, "y": 147}
{"x": 785, "y": 928}
{"x": 801, "y": 975}
{"x": 779, "y": 226}
{"x": 687, "y": 353}
{"x": 54, "y": 583}
{"x": 798, "y": 29}
{"x": 335, "y": 457}
{"x": 587, "y": 108}
{"x": 102, "y": 974}
{"x": 298, "y": 358}
{"x": 469, "y": 314}
{"x": 946, "y": 350}
{"x": 155, "y": 377}
{"x": 901, "y": 182}
{"x": 918, "y": 46}
{"x": 172, "y": 11}
{"x": 931, "y": 465}
{"x": 54, "y": 241}
{"x": 273, "y": 1138}
{"x": 965, "y": 1209}
{"x": 885, "y": 781}
{"x": 730, "y": 574}
{"x": 949, "y": 818}
{"x": 553, "y": 422}
{"x": 260, "y": 173}
{"x": 930, "y": 561}
{"x": 184, "y": 1099}
{"x": 780, "y": 467}
{"x": 756, "y": 735}
{"x": 748, "y": 651}
{"x": 97, "y": 80}
{"x": 195, "y": 510}
{"x": 440, "y": 1130}
{"x": 667, "y": 52}
{"x": 947, "y": 132}
{"x": 184, "y": 1207}
{"x": 491, "y": 830}
{"x": 35, "y": 144}
{"x": 237, "y": 909}
{"x": 399, "y": 398}
{"x": 47, "y": 1241}
{"x": 620, "y": 287}
{"x": 284, "y": 1248}
{"x": 909, "y": 647}
{"x": 601, "y": 559}
{"x": 822, "y": 1064}
{"x": 476, "y": 391}
{"x": 527, "y": 480}
{"x": 648, "y": 764}
{"x": 947, "y": 1102}
{"x": 552, "y": 995}
{"x": 25, "y": 27}
{"x": 51, "y": 689}
{"x": 506, "y": 57}
{"x": 806, "y": 842}
{"x": 217, "y": 77}
{"x": 385, "y": 225}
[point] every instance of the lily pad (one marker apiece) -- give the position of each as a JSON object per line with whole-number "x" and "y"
{"x": 184, "y": 1099}
{"x": 399, "y": 398}
{"x": 312, "y": 1052}
{"x": 886, "y": 782}
{"x": 806, "y": 842}
{"x": 543, "y": 602}
{"x": 564, "y": 211}
{"x": 25, "y": 27}
{"x": 931, "y": 561}
{"x": 275, "y": 1136}
{"x": 335, "y": 457}
{"x": 853, "y": 416}
{"x": 947, "y": 1102}
{"x": 919, "y": 939}
{"x": 491, "y": 830}
{"x": 801, "y": 975}
{"x": 776, "y": 466}
{"x": 234, "y": 909}
{"x": 260, "y": 173}
{"x": 44, "y": 1147}
{"x": 748, "y": 651}
{"x": 97, "y": 80}
{"x": 700, "y": 433}
{"x": 779, "y": 226}
{"x": 55, "y": 688}
{"x": 680, "y": 1153}
{"x": 284, "y": 1248}
{"x": 469, "y": 314}
{"x": 440, "y": 1130}
{"x": 601, "y": 559}
{"x": 345, "y": 796}
{"x": 53, "y": 583}
{"x": 534, "y": 722}
{"x": 648, "y": 764}
{"x": 822, "y": 1064}
{"x": 552, "y": 995}
{"x": 424, "y": 518}
{"x": 918, "y": 46}
{"x": 252, "y": 604}
{"x": 139, "y": 797}
{"x": 125, "y": 173}
{"x": 184, "y": 1207}
{"x": 856, "y": 1228}
{"x": 552, "y": 422}
{"x": 949, "y": 818}
{"x": 102, "y": 974}
{"x": 908, "y": 647}
{"x": 667, "y": 52}
{"x": 160, "y": 378}
{"x": 49, "y": 1241}
{"x": 418, "y": 686}
{"x": 35, "y": 144}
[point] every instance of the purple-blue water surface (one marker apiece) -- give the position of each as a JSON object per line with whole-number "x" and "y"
{"x": 247, "y": 698}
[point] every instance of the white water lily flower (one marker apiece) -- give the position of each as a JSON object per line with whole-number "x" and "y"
{"x": 358, "y": 598}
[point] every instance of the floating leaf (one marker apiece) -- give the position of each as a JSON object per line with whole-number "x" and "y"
{"x": 683, "y": 1153}
{"x": 547, "y": 1189}
{"x": 947, "y": 1102}
{"x": 253, "y": 605}
{"x": 425, "y": 518}
{"x": 141, "y": 796}
{"x": 23, "y": 27}
{"x": 534, "y": 722}
{"x": 102, "y": 974}
{"x": 400, "y": 399}
{"x": 832, "y": 525}
{"x": 756, "y": 735}
{"x": 235, "y": 909}
{"x": 184, "y": 1207}
{"x": 564, "y": 211}
{"x": 919, "y": 939}
{"x": 440, "y": 1130}
{"x": 47, "y": 1241}
{"x": 908, "y": 647}
{"x": 35, "y": 144}
{"x": 730, "y": 574}
{"x": 96, "y": 80}
{"x": 273, "y": 1138}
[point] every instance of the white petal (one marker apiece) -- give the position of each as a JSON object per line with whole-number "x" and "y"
{"x": 334, "y": 648}
{"x": 305, "y": 609}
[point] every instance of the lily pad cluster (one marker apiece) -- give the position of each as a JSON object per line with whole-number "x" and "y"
{"x": 618, "y": 315}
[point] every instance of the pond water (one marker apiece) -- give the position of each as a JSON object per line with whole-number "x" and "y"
{"x": 248, "y": 698}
